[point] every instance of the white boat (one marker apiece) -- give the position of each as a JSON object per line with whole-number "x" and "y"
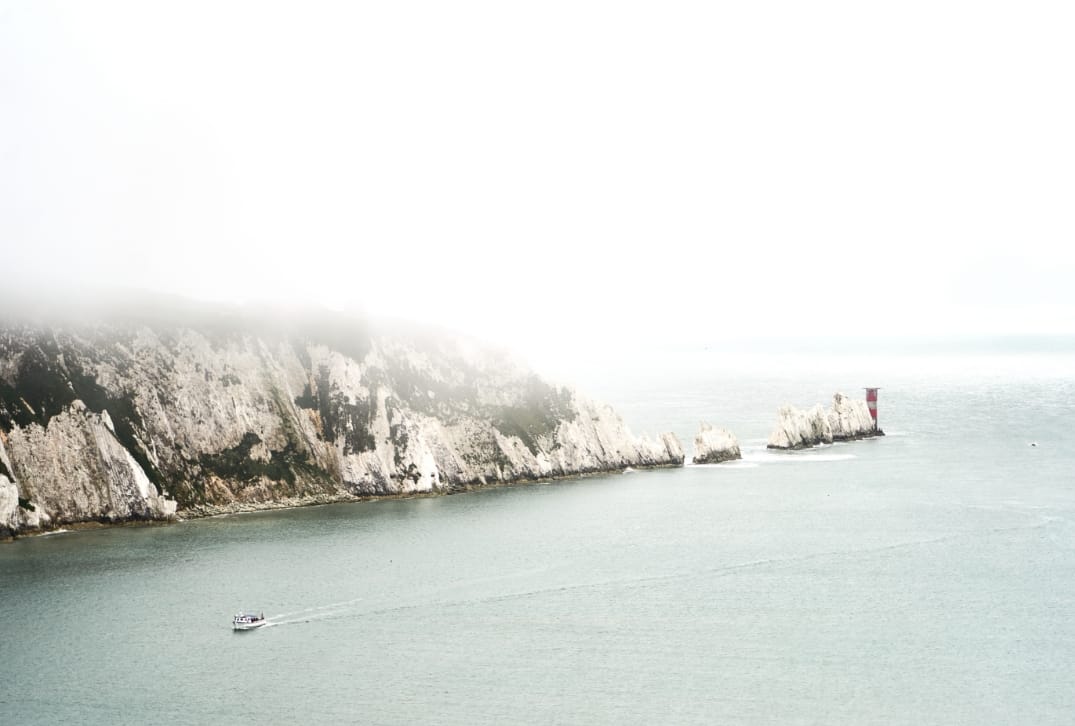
{"x": 247, "y": 621}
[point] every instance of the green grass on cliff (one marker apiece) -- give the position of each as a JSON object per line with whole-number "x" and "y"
{"x": 41, "y": 388}
{"x": 542, "y": 408}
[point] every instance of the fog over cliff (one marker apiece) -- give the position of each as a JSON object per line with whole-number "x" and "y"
{"x": 569, "y": 175}
{"x": 122, "y": 411}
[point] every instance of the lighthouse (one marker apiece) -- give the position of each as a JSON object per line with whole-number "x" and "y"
{"x": 871, "y": 402}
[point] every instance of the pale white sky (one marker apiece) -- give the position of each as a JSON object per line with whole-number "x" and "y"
{"x": 553, "y": 173}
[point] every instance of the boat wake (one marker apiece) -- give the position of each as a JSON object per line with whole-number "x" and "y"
{"x": 319, "y": 612}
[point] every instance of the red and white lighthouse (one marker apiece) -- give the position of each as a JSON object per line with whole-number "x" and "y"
{"x": 871, "y": 402}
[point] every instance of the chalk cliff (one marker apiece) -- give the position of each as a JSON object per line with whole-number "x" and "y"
{"x": 141, "y": 418}
{"x": 847, "y": 419}
{"x": 713, "y": 445}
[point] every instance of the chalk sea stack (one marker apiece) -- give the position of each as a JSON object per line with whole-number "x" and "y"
{"x": 714, "y": 445}
{"x": 848, "y": 419}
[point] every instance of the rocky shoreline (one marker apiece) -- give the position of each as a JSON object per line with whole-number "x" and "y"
{"x": 248, "y": 508}
{"x": 227, "y": 510}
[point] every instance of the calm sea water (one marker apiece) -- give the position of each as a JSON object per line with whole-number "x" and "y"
{"x": 924, "y": 578}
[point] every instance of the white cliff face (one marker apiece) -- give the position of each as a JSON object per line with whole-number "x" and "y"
{"x": 847, "y": 419}
{"x": 11, "y": 517}
{"x": 713, "y": 445}
{"x": 141, "y": 422}
{"x": 93, "y": 472}
{"x": 9, "y": 505}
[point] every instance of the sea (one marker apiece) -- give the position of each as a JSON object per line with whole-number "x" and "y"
{"x": 923, "y": 577}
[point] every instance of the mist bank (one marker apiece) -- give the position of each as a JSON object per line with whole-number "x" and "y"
{"x": 125, "y": 413}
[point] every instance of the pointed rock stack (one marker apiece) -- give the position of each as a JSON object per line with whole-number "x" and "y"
{"x": 713, "y": 445}
{"x": 848, "y": 419}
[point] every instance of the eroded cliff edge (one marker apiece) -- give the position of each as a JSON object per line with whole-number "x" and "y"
{"x": 141, "y": 418}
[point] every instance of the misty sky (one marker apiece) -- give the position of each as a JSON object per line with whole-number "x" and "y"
{"x": 553, "y": 172}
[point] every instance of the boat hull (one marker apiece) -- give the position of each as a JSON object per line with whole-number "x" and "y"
{"x": 248, "y": 621}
